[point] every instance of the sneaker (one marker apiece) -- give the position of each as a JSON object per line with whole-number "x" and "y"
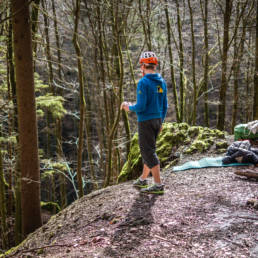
{"x": 154, "y": 189}
{"x": 140, "y": 183}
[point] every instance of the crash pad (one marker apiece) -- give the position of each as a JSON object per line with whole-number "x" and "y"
{"x": 206, "y": 162}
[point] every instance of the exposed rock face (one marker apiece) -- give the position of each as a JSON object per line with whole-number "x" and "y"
{"x": 174, "y": 140}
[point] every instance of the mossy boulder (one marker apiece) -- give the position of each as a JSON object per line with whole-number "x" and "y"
{"x": 174, "y": 137}
{"x": 50, "y": 206}
{"x": 221, "y": 146}
{"x": 133, "y": 165}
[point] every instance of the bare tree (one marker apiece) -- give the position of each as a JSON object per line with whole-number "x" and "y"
{"x": 82, "y": 98}
{"x": 224, "y": 83}
{"x": 171, "y": 62}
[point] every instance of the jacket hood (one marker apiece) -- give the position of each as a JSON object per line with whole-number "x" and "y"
{"x": 154, "y": 77}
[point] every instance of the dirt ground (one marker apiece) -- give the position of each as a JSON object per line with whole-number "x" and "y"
{"x": 203, "y": 213}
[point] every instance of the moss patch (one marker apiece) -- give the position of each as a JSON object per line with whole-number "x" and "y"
{"x": 174, "y": 137}
{"x": 50, "y": 206}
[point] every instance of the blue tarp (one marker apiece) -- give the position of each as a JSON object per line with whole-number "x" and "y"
{"x": 207, "y": 162}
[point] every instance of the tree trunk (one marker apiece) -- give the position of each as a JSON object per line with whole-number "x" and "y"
{"x": 238, "y": 55}
{"x": 47, "y": 47}
{"x": 13, "y": 124}
{"x": 224, "y": 83}
{"x": 34, "y": 23}
{"x": 82, "y": 99}
{"x": 120, "y": 71}
{"x": 27, "y": 124}
{"x": 60, "y": 155}
{"x": 206, "y": 61}
{"x": 181, "y": 63}
{"x": 255, "y": 101}
{"x": 171, "y": 63}
{"x": 18, "y": 208}
{"x": 17, "y": 177}
{"x": 193, "y": 118}
{"x": 248, "y": 91}
{"x": 146, "y": 24}
{"x": 3, "y": 205}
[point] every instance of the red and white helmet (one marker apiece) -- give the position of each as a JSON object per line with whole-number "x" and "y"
{"x": 148, "y": 58}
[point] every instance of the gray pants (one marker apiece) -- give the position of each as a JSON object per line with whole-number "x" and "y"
{"x": 148, "y": 132}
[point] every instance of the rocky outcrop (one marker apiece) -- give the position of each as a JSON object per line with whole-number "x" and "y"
{"x": 174, "y": 140}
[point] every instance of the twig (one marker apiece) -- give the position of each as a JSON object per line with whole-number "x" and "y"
{"x": 243, "y": 217}
{"x": 233, "y": 242}
{"x": 164, "y": 239}
{"x": 37, "y": 248}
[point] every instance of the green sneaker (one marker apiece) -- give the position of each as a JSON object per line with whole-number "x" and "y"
{"x": 153, "y": 189}
{"x": 140, "y": 183}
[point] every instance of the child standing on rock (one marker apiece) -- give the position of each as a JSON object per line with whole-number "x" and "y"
{"x": 151, "y": 109}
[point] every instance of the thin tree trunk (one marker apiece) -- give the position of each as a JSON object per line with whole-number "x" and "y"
{"x": 3, "y": 211}
{"x": 130, "y": 61}
{"x": 82, "y": 99}
{"x": 248, "y": 91}
{"x": 18, "y": 207}
{"x": 28, "y": 136}
{"x": 181, "y": 63}
{"x": 61, "y": 177}
{"x": 255, "y": 99}
{"x": 146, "y": 24}
{"x": 193, "y": 66}
{"x": 171, "y": 63}
{"x": 34, "y": 23}
{"x": 50, "y": 71}
{"x": 100, "y": 119}
{"x": 238, "y": 55}
{"x": 58, "y": 46}
{"x": 206, "y": 60}
{"x": 97, "y": 103}
{"x": 120, "y": 69}
{"x": 14, "y": 125}
{"x": 89, "y": 147}
{"x": 224, "y": 82}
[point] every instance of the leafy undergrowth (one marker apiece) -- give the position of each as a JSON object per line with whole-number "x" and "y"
{"x": 203, "y": 213}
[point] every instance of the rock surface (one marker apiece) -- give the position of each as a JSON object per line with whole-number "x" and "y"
{"x": 203, "y": 213}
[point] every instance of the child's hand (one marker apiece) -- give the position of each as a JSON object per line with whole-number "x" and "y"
{"x": 125, "y": 106}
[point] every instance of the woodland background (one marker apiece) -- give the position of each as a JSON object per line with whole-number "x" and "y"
{"x": 84, "y": 64}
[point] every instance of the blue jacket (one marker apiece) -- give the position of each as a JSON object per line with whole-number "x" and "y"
{"x": 151, "y": 98}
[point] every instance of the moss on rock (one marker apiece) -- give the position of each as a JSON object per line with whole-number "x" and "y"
{"x": 50, "y": 206}
{"x": 134, "y": 163}
{"x": 197, "y": 146}
{"x": 173, "y": 137}
{"x": 221, "y": 145}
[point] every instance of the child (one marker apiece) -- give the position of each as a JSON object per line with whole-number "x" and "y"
{"x": 151, "y": 109}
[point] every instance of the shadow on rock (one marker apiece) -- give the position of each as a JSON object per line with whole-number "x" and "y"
{"x": 134, "y": 229}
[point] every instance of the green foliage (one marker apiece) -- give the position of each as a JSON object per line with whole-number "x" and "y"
{"x": 39, "y": 85}
{"x": 47, "y": 174}
{"x": 52, "y": 104}
{"x": 51, "y": 168}
{"x": 10, "y": 139}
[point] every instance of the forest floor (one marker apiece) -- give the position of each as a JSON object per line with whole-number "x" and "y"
{"x": 203, "y": 213}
